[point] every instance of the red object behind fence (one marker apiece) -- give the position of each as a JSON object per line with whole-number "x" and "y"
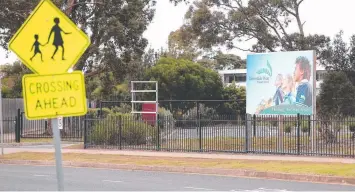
{"x": 149, "y": 118}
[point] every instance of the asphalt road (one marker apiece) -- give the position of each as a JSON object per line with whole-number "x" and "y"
{"x": 39, "y": 178}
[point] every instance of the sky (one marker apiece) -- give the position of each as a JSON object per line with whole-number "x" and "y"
{"x": 326, "y": 17}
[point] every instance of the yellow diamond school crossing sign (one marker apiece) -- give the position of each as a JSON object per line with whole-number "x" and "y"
{"x": 49, "y": 42}
{"x": 50, "y": 96}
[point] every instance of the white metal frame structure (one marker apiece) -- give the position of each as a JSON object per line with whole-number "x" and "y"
{"x": 133, "y": 99}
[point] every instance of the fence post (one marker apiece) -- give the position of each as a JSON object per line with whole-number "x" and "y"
{"x": 309, "y": 125}
{"x": 158, "y": 130}
{"x": 120, "y": 131}
{"x": 281, "y": 134}
{"x": 246, "y": 149}
{"x": 100, "y": 115}
{"x": 85, "y": 133}
{"x": 254, "y": 125}
{"x": 21, "y": 124}
{"x": 199, "y": 126}
{"x": 298, "y": 134}
{"x": 17, "y": 128}
{"x": 46, "y": 126}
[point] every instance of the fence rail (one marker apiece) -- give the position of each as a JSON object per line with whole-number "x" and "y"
{"x": 18, "y": 128}
{"x": 73, "y": 129}
{"x": 294, "y": 135}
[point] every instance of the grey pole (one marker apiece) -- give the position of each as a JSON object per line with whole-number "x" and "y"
{"x": 58, "y": 154}
{"x": 1, "y": 123}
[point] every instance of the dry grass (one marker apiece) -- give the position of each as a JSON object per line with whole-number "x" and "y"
{"x": 330, "y": 169}
{"x": 75, "y": 146}
{"x": 36, "y": 140}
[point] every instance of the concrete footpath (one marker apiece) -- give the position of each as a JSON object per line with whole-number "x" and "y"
{"x": 189, "y": 155}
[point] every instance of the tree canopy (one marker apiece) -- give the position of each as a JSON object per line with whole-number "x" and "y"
{"x": 337, "y": 95}
{"x": 263, "y": 22}
{"x": 220, "y": 61}
{"x": 180, "y": 79}
{"x": 237, "y": 100}
{"x": 12, "y": 79}
{"x": 340, "y": 56}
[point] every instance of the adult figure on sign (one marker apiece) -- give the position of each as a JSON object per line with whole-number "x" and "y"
{"x": 58, "y": 39}
{"x": 302, "y": 75}
{"x": 279, "y": 95}
{"x": 288, "y": 86}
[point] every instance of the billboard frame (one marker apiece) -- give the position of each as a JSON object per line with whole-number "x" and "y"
{"x": 313, "y": 83}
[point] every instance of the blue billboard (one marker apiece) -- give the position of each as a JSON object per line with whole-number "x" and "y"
{"x": 281, "y": 83}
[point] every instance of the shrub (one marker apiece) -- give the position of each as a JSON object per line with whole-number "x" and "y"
{"x": 207, "y": 114}
{"x": 95, "y": 113}
{"x": 304, "y": 125}
{"x": 274, "y": 123}
{"x": 288, "y": 128}
{"x": 123, "y": 108}
{"x": 352, "y": 127}
{"x": 133, "y": 131}
{"x": 92, "y": 113}
{"x": 166, "y": 119}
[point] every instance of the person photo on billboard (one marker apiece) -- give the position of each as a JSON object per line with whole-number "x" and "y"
{"x": 302, "y": 75}
{"x": 287, "y": 87}
{"x": 279, "y": 95}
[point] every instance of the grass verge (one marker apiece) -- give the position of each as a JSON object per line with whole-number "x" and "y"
{"x": 36, "y": 140}
{"x": 326, "y": 169}
{"x": 75, "y": 146}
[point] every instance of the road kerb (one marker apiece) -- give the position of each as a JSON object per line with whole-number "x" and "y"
{"x": 196, "y": 170}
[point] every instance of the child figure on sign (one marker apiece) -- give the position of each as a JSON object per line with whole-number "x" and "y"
{"x": 36, "y": 45}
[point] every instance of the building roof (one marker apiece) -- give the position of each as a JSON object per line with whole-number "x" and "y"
{"x": 232, "y": 71}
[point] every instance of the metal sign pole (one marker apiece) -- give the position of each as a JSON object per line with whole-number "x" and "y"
{"x": 58, "y": 154}
{"x": 1, "y": 123}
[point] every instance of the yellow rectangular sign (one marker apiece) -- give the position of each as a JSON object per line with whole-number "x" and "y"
{"x": 51, "y": 96}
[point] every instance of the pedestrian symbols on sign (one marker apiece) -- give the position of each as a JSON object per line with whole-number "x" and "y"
{"x": 58, "y": 40}
{"x": 36, "y": 45}
{"x": 49, "y": 42}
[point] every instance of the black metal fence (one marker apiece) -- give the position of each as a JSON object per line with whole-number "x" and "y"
{"x": 9, "y": 125}
{"x": 294, "y": 135}
{"x": 19, "y": 129}
{"x": 73, "y": 129}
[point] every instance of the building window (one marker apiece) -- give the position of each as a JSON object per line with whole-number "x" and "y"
{"x": 226, "y": 79}
{"x": 230, "y": 78}
{"x": 235, "y": 77}
{"x": 240, "y": 78}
